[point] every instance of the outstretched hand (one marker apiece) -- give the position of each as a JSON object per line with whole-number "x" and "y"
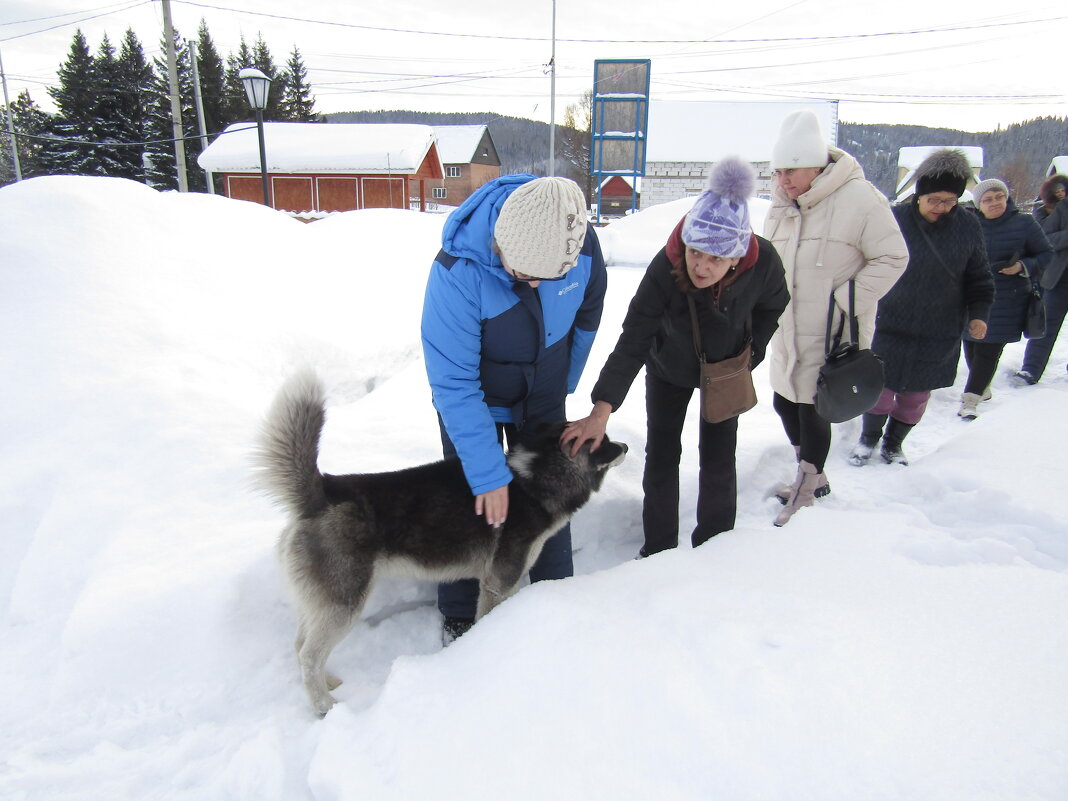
{"x": 494, "y": 505}
{"x": 588, "y": 429}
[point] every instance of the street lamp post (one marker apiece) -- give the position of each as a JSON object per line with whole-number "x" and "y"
{"x": 257, "y": 85}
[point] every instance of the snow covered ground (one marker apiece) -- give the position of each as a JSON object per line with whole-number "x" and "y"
{"x": 905, "y": 639}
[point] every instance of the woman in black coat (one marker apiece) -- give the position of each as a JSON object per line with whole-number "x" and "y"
{"x": 737, "y": 282}
{"x": 946, "y": 289}
{"x": 1052, "y": 215}
{"x": 1017, "y": 250}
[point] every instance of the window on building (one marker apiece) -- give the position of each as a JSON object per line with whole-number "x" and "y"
{"x": 440, "y": 192}
{"x": 452, "y": 172}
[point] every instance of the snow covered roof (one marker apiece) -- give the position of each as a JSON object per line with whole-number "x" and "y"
{"x": 706, "y": 132}
{"x": 457, "y": 143}
{"x": 303, "y": 147}
{"x": 1058, "y": 165}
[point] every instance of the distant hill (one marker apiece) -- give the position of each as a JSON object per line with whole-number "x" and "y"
{"x": 1018, "y": 154}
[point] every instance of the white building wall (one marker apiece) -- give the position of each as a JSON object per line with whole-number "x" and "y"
{"x": 665, "y": 181}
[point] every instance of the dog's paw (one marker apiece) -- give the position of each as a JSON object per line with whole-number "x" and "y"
{"x": 332, "y": 681}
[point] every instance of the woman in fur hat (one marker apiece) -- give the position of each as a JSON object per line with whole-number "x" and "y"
{"x": 735, "y": 280}
{"x": 1018, "y": 251}
{"x": 947, "y": 289}
{"x": 830, "y": 226}
{"x": 1052, "y": 215}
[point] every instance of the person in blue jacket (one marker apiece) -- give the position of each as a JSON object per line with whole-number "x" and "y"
{"x": 512, "y": 305}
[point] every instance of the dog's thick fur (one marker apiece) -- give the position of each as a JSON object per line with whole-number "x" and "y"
{"x": 345, "y": 531}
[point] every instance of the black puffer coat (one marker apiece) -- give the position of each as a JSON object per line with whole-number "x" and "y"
{"x": 657, "y": 331}
{"x": 946, "y": 284}
{"x": 1012, "y": 235}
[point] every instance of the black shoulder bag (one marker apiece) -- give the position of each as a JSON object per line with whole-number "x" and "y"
{"x": 851, "y": 380}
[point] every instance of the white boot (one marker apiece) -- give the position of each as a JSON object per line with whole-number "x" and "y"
{"x": 969, "y": 406}
{"x": 808, "y": 480}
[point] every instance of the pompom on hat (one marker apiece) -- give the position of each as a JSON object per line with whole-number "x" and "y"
{"x": 989, "y": 185}
{"x": 801, "y": 143}
{"x": 541, "y": 227}
{"x": 718, "y": 223}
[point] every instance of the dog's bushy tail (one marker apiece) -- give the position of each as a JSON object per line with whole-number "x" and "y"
{"x": 288, "y": 453}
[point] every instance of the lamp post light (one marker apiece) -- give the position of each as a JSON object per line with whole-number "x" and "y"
{"x": 257, "y": 85}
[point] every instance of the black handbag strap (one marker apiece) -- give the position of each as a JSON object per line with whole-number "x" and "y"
{"x": 854, "y": 327}
{"x": 695, "y": 328}
{"x": 934, "y": 250}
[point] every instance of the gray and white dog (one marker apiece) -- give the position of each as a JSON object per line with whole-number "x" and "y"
{"x": 345, "y": 531}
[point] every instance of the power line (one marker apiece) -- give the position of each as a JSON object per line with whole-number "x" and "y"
{"x": 75, "y": 22}
{"x": 842, "y": 37}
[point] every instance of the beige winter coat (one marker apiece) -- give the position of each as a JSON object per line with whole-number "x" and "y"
{"x": 841, "y": 228}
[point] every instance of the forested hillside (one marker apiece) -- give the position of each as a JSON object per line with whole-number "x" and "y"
{"x": 1018, "y": 154}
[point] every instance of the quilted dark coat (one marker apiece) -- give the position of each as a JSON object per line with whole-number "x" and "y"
{"x": 1012, "y": 234}
{"x": 946, "y": 284}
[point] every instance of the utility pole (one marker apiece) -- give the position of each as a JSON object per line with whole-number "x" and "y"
{"x": 176, "y": 98}
{"x": 10, "y": 124}
{"x": 552, "y": 101}
{"x": 200, "y": 113}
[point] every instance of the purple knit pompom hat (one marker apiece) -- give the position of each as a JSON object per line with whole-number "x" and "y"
{"x": 718, "y": 223}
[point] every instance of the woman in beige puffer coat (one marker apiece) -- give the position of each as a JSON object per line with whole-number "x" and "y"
{"x": 829, "y": 225}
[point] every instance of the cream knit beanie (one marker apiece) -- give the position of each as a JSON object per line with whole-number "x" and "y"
{"x": 541, "y": 227}
{"x": 800, "y": 143}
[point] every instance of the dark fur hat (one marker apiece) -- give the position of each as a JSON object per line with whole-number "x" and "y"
{"x": 1049, "y": 186}
{"x": 945, "y": 170}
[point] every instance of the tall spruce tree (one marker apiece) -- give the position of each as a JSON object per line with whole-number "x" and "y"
{"x": 212, "y": 83}
{"x": 75, "y": 100}
{"x": 29, "y": 121}
{"x": 298, "y": 103}
{"x": 134, "y": 75}
{"x": 161, "y": 170}
{"x": 264, "y": 62}
{"x": 236, "y": 101}
{"x": 108, "y": 128}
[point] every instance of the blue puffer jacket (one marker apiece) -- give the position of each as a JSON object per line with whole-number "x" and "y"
{"x": 497, "y": 350}
{"x": 1012, "y": 235}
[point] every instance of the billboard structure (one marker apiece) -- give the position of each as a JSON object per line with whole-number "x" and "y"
{"x": 619, "y": 123}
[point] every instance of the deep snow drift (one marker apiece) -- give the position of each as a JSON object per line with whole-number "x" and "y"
{"x": 904, "y": 639}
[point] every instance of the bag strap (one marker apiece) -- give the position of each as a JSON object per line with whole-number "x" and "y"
{"x": 854, "y": 326}
{"x": 934, "y": 250}
{"x": 695, "y": 329}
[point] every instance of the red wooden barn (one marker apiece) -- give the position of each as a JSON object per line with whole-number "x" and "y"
{"x": 323, "y": 167}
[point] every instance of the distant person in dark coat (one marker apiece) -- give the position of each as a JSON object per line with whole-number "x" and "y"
{"x": 1017, "y": 251}
{"x": 947, "y": 289}
{"x": 737, "y": 282}
{"x": 1052, "y": 215}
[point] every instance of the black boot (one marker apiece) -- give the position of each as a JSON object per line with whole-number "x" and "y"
{"x": 870, "y": 431}
{"x": 896, "y": 432}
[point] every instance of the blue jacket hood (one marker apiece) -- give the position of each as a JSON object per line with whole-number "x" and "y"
{"x": 468, "y": 232}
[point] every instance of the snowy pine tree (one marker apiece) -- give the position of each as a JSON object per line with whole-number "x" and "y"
{"x": 264, "y": 62}
{"x": 236, "y": 101}
{"x": 134, "y": 75}
{"x": 28, "y": 121}
{"x": 75, "y": 99}
{"x": 212, "y": 83}
{"x": 298, "y": 103}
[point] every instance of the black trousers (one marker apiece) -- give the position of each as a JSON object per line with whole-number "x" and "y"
{"x": 717, "y": 491}
{"x": 805, "y": 429}
{"x": 982, "y": 359}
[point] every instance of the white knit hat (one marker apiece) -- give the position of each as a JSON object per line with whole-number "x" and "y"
{"x": 801, "y": 143}
{"x": 541, "y": 227}
{"x": 989, "y": 185}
